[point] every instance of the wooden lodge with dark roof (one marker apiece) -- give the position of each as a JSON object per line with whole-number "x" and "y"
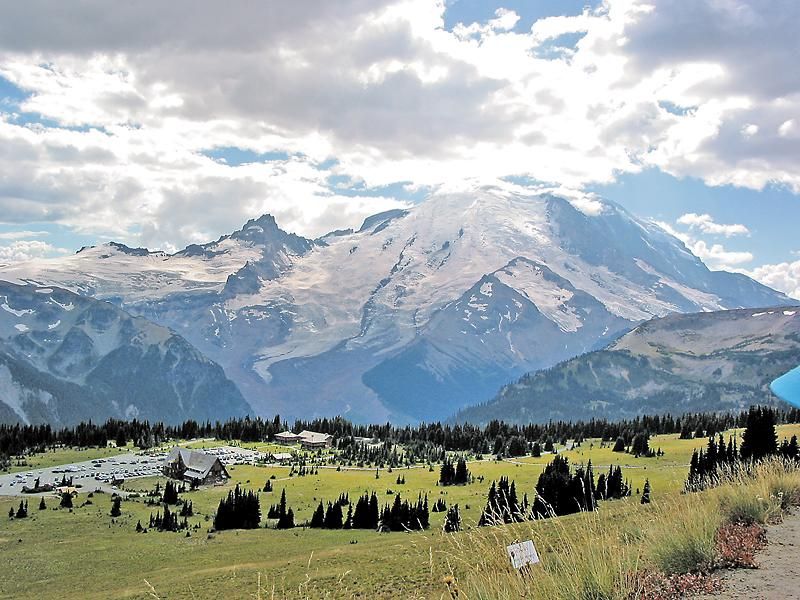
{"x": 193, "y": 466}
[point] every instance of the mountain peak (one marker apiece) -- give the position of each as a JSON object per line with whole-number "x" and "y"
{"x": 121, "y": 248}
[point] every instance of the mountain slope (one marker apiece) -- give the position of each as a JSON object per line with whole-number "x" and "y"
{"x": 377, "y": 323}
{"x": 717, "y": 361}
{"x": 65, "y": 358}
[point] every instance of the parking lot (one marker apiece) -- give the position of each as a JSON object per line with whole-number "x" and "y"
{"x": 102, "y": 473}
{"x": 108, "y": 473}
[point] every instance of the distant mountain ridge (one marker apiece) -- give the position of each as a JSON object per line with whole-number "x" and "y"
{"x": 721, "y": 361}
{"x": 417, "y": 313}
{"x": 66, "y": 358}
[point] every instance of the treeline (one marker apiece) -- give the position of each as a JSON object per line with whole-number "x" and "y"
{"x": 425, "y": 441}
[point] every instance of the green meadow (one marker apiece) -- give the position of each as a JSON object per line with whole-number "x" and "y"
{"x": 85, "y": 554}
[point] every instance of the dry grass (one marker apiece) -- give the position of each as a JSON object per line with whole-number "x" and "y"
{"x": 601, "y": 555}
{"x": 605, "y": 556}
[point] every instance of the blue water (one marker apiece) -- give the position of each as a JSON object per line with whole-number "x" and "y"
{"x": 787, "y": 387}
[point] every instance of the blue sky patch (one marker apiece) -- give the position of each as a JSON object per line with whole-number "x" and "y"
{"x": 480, "y": 11}
{"x": 662, "y": 197}
{"x": 234, "y": 157}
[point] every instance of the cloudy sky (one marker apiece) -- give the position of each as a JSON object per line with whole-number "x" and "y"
{"x": 167, "y": 123}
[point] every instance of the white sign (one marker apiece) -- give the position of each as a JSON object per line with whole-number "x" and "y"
{"x": 522, "y": 554}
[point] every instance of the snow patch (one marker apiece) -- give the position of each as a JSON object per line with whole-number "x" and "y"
{"x": 54, "y": 325}
{"x": 12, "y": 393}
{"x": 21, "y": 327}
{"x": 66, "y": 307}
{"x": 16, "y": 313}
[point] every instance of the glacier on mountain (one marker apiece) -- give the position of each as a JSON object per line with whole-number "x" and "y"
{"x": 416, "y": 314}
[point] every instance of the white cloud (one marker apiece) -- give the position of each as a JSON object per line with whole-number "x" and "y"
{"x": 788, "y": 128}
{"x": 706, "y": 224}
{"x": 504, "y": 20}
{"x": 18, "y": 235}
{"x": 783, "y": 276}
{"x": 377, "y": 91}
{"x": 717, "y": 257}
{"x": 27, "y": 249}
{"x": 749, "y": 130}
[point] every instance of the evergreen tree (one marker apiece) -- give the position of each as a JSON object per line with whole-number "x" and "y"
{"x": 789, "y": 449}
{"x": 239, "y": 510}
{"x": 452, "y": 520}
{"x": 517, "y": 446}
{"x": 116, "y": 504}
{"x": 366, "y": 513}
{"x": 333, "y": 516}
{"x": 405, "y": 516}
{"x": 121, "y": 440}
{"x": 170, "y": 493}
{"x": 318, "y": 518}
{"x": 619, "y": 445}
{"x": 646, "y": 492}
{"x": 759, "y": 438}
{"x": 462, "y": 473}
{"x": 42, "y": 505}
{"x": 559, "y": 491}
{"x": 704, "y": 464}
{"x": 348, "y": 522}
{"x": 641, "y": 444}
{"x": 285, "y": 516}
{"x": 502, "y": 505}
{"x": 66, "y": 500}
{"x": 447, "y": 474}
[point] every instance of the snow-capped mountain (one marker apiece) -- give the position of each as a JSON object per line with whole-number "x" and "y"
{"x": 416, "y": 314}
{"x": 66, "y": 358}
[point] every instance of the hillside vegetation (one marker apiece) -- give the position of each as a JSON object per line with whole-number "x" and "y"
{"x": 722, "y": 361}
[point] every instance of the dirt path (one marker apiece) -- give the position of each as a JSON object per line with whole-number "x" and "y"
{"x": 778, "y": 575}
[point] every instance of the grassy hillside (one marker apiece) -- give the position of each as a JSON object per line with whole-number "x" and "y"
{"x": 84, "y": 554}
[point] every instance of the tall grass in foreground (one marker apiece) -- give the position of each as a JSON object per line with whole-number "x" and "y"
{"x": 596, "y": 556}
{"x": 590, "y": 541}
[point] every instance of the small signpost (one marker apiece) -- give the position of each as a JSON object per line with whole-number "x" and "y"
{"x": 522, "y": 554}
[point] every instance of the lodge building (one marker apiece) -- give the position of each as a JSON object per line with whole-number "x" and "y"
{"x": 307, "y": 439}
{"x": 193, "y": 466}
